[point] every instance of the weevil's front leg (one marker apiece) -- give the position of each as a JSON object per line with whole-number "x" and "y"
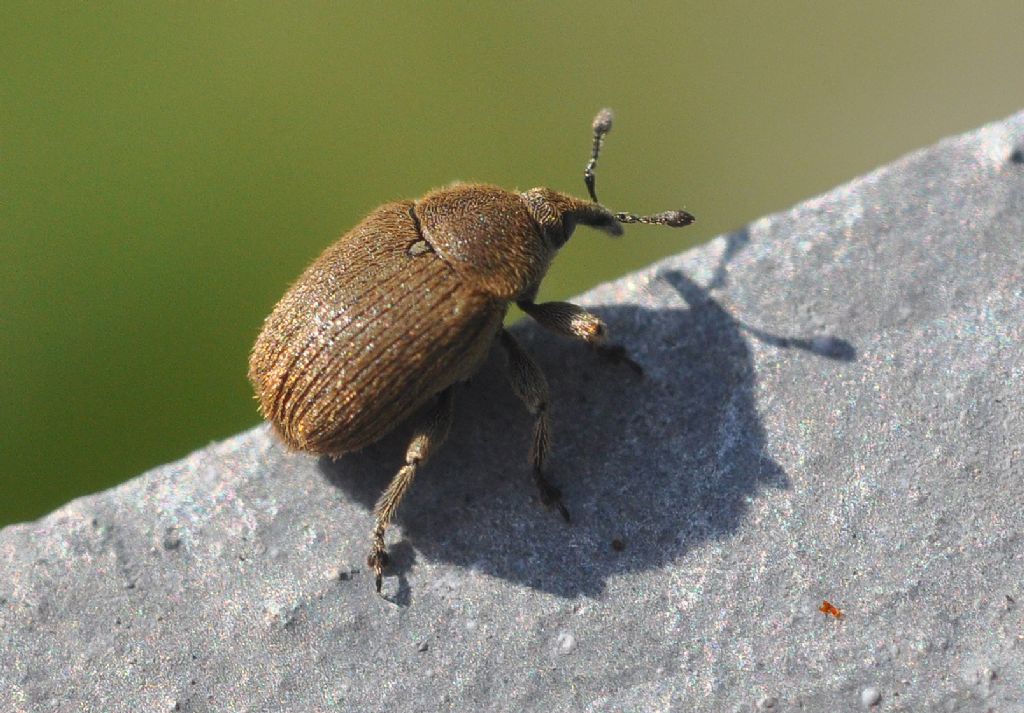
{"x": 572, "y": 321}
{"x": 531, "y": 387}
{"x": 429, "y": 435}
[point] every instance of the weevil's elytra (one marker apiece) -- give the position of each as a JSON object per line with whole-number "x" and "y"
{"x": 407, "y": 304}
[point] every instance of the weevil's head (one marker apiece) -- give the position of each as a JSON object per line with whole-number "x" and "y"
{"x": 557, "y": 215}
{"x": 502, "y": 242}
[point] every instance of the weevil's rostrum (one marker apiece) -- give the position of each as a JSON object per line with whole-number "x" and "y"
{"x": 406, "y": 305}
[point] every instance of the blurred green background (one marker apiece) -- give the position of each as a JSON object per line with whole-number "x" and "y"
{"x": 167, "y": 169}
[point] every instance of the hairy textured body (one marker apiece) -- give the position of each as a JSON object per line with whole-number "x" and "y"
{"x": 367, "y": 335}
{"x": 407, "y": 304}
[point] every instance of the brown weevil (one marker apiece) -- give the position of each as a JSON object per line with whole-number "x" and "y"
{"x": 407, "y": 304}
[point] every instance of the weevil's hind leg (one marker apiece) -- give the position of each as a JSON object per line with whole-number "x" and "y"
{"x": 572, "y": 321}
{"x": 531, "y": 387}
{"x": 429, "y": 435}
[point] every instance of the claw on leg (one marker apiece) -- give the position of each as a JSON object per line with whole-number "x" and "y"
{"x": 571, "y": 320}
{"x": 550, "y": 495}
{"x": 617, "y": 354}
{"x": 377, "y": 561}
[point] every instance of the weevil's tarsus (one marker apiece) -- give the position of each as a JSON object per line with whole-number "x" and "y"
{"x": 377, "y": 561}
{"x": 573, "y": 321}
{"x": 429, "y": 435}
{"x": 528, "y": 383}
{"x": 618, "y": 354}
{"x": 550, "y": 495}
{"x": 567, "y": 319}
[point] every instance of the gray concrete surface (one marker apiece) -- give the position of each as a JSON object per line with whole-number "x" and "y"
{"x": 832, "y": 410}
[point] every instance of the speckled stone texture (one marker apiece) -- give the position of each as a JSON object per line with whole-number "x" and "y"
{"x": 832, "y": 410}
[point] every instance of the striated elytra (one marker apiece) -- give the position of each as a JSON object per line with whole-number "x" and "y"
{"x": 407, "y": 304}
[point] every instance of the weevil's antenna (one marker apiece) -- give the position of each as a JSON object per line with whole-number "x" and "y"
{"x": 602, "y": 125}
{"x": 672, "y": 218}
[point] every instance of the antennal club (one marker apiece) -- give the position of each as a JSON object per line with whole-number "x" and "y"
{"x": 672, "y": 218}
{"x": 602, "y": 125}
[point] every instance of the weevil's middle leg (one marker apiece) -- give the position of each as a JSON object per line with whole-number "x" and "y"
{"x": 531, "y": 387}
{"x": 429, "y": 435}
{"x": 573, "y": 321}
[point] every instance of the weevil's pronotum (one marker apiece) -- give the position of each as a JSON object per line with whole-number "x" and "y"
{"x": 406, "y": 305}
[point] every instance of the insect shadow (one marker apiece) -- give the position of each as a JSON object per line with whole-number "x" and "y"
{"x": 649, "y": 468}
